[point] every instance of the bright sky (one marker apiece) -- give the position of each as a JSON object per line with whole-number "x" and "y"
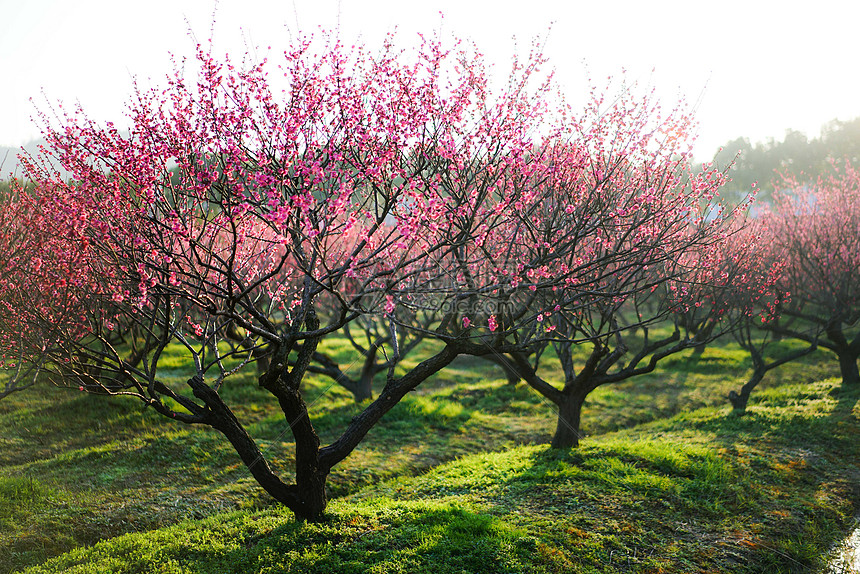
{"x": 755, "y": 67}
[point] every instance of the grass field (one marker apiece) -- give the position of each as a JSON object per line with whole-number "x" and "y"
{"x": 457, "y": 478}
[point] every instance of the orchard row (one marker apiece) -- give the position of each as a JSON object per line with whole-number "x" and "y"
{"x": 395, "y": 198}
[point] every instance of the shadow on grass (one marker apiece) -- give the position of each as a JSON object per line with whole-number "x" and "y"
{"x": 415, "y": 538}
{"x": 399, "y": 537}
{"x": 846, "y": 401}
{"x": 828, "y": 419}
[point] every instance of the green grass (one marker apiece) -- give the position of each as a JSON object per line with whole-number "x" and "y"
{"x": 455, "y": 478}
{"x": 702, "y": 492}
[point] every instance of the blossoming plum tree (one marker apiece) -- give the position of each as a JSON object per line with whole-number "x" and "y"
{"x": 816, "y": 229}
{"x": 17, "y": 214}
{"x": 761, "y": 257}
{"x": 338, "y": 189}
{"x": 619, "y": 237}
{"x": 237, "y": 224}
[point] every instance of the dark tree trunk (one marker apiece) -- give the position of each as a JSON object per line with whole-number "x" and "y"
{"x": 256, "y": 462}
{"x": 848, "y": 367}
{"x": 567, "y": 425}
{"x": 310, "y": 479}
{"x": 739, "y": 400}
{"x": 760, "y": 368}
{"x": 507, "y": 367}
{"x": 307, "y": 497}
{"x": 363, "y": 389}
{"x": 220, "y": 417}
{"x": 698, "y": 351}
{"x": 846, "y": 352}
{"x": 285, "y": 385}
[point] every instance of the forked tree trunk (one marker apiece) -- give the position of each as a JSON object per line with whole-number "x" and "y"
{"x": 760, "y": 368}
{"x": 305, "y": 498}
{"x": 567, "y": 425}
{"x": 361, "y": 387}
{"x": 285, "y": 384}
{"x": 739, "y": 400}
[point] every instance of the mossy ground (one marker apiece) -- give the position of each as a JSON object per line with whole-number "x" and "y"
{"x": 456, "y": 478}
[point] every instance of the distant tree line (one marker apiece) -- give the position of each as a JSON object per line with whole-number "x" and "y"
{"x": 805, "y": 158}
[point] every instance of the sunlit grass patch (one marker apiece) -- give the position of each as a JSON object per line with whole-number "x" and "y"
{"x": 394, "y": 537}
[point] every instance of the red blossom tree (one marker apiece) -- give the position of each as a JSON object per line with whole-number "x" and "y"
{"x": 620, "y": 236}
{"x": 759, "y": 256}
{"x": 17, "y": 212}
{"x": 228, "y": 214}
{"x": 816, "y": 228}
